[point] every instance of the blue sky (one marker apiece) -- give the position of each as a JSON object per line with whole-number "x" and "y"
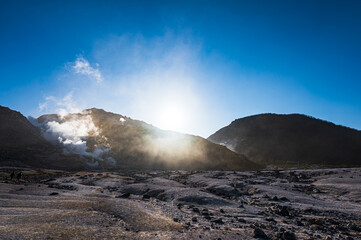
{"x": 197, "y": 64}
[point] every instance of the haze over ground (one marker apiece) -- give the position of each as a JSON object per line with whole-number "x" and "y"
{"x": 189, "y": 66}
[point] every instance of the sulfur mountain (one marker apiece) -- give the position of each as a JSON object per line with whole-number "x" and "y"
{"x": 135, "y": 144}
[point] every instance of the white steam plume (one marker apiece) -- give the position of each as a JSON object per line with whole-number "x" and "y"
{"x": 72, "y": 129}
{"x": 71, "y": 134}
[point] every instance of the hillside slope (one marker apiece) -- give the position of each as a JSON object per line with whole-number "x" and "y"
{"x": 291, "y": 140}
{"x": 128, "y": 143}
{"x": 21, "y": 144}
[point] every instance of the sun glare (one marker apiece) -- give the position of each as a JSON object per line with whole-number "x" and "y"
{"x": 172, "y": 118}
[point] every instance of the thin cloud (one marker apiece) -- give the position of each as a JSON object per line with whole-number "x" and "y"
{"x": 82, "y": 66}
{"x": 61, "y": 106}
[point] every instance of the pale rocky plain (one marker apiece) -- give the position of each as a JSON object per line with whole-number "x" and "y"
{"x": 289, "y": 204}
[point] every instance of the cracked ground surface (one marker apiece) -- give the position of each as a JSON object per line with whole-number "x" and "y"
{"x": 291, "y": 204}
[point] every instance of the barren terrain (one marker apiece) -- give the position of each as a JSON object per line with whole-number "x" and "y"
{"x": 292, "y": 204}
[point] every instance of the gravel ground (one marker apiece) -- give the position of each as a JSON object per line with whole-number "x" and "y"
{"x": 292, "y": 204}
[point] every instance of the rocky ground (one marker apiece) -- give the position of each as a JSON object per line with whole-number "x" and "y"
{"x": 292, "y": 204}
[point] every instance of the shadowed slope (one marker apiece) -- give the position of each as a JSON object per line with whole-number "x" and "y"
{"x": 17, "y": 131}
{"x": 21, "y": 144}
{"x": 291, "y": 140}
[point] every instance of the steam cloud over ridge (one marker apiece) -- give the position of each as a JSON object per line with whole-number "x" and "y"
{"x": 72, "y": 132}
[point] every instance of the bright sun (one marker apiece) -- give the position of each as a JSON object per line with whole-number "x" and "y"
{"x": 172, "y": 118}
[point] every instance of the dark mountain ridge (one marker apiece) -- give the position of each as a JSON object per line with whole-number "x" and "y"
{"x": 292, "y": 140}
{"x": 21, "y": 144}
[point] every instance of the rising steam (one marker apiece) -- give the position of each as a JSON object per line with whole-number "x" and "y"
{"x": 72, "y": 131}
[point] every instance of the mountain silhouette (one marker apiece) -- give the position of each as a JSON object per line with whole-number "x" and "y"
{"x": 292, "y": 140}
